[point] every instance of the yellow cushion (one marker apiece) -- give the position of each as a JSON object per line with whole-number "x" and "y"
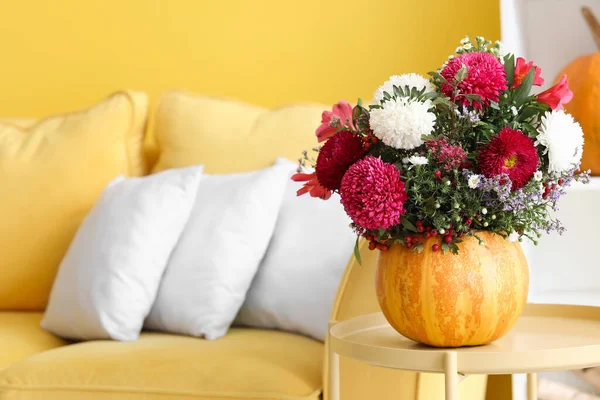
{"x": 21, "y": 337}
{"x": 50, "y": 175}
{"x": 244, "y": 364}
{"x": 228, "y": 136}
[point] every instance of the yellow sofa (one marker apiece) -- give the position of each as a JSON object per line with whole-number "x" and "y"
{"x": 226, "y": 136}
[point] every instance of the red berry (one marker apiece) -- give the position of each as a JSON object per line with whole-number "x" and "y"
{"x": 435, "y": 247}
{"x": 428, "y": 228}
{"x": 427, "y": 235}
{"x": 468, "y": 221}
{"x": 372, "y": 245}
{"x": 553, "y": 186}
{"x": 419, "y": 223}
{"x": 381, "y": 246}
{"x": 407, "y": 239}
{"x": 369, "y": 238}
{"x": 409, "y": 245}
{"x": 560, "y": 181}
{"x": 438, "y": 174}
{"x": 367, "y": 146}
{"x": 420, "y": 229}
{"x": 434, "y": 232}
{"x": 374, "y": 139}
{"x": 447, "y": 239}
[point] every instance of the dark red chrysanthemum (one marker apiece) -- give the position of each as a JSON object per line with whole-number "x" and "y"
{"x": 336, "y": 156}
{"x": 485, "y": 76}
{"x": 373, "y": 194}
{"x": 510, "y": 152}
{"x": 447, "y": 155}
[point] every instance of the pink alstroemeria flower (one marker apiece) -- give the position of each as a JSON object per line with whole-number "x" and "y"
{"x": 312, "y": 186}
{"x": 522, "y": 69}
{"x": 339, "y": 116}
{"x": 557, "y": 95}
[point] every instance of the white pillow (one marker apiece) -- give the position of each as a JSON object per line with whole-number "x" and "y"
{"x": 108, "y": 280}
{"x": 220, "y": 249}
{"x": 296, "y": 283}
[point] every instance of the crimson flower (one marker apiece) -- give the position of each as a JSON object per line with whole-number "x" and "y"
{"x": 336, "y": 156}
{"x": 312, "y": 186}
{"x": 557, "y": 95}
{"x": 447, "y": 155}
{"x": 510, "y": 152}
{"x": 522, "y": 69}
{"x": 339, "y": 116}
{"x": 373, "y": 194}
{"x": 486, "y": 77}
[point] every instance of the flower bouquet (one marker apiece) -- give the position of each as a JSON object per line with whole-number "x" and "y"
{"x": 435, "y": 165}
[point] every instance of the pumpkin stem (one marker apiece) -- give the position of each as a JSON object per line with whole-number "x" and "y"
{"x": 593, "y": 24}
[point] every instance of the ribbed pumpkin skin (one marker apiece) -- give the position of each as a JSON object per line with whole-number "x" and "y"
{"x": 583, "y": 76}
{"x": 447, "y": 300}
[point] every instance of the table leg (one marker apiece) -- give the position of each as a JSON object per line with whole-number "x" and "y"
{"x": 451, "y": 375}
{"x": 532, "y": 386}
{"x": 334, "y": 376}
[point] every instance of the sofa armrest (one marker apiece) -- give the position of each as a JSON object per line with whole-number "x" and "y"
{"x": 356, "y": 296}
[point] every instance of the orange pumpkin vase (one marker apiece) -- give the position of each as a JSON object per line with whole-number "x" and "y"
{"x": 448, "y": 300}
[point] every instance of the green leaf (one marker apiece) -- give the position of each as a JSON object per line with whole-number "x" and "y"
{"x": 443, "y": 101}
{"x": 380, "y": 233}
{"x": 356, "y": 112}
{"x": 357, "y": 251}
{"x": 438, "y": 77}
{"x": 509, "y": 67}
{"x": 522, "y": 92}
{"x": 408, "y": 225}
{"x": 359, "y": 102}
{"x": 494, "y": 105}
{"x": 418, "y": 249}
{"x": 444, "y": 248}
{"x": 461, "y": 74}
{"x": 428, "y": 96}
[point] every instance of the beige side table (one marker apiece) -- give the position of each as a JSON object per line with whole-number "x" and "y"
{"x": 545, "y": 338}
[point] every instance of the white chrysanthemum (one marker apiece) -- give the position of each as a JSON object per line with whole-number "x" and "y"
{"x": 401, "y": 123}
{"x": 415, "y": 160}
{"x": 410, "y": 80}
{"x": 538, "y": 176}
{"x": 474, "y": 181}
{"x": 563, "y": 139}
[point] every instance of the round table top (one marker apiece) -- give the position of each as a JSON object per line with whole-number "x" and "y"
{"x": 546, "y": 337}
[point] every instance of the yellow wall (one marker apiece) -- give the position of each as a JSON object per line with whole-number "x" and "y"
{"x": 61, "y": 54}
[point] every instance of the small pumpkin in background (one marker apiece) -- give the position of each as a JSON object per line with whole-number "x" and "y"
{"x": 584, "y": 81}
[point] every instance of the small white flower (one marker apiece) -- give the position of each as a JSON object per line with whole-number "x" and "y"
{"x": 514, "y": 111}
{"x": 514, "y": 236}
{"x": 538, "y": 176}
{"x": 465, "y": 40}
{"x": 415, "y": 160}
{"x": 563, "y": 139}
{"x": 468, "y": 46}
{"x": 401, "y": 123}
{"x": 484, "y": 211}
{"x": 502, "y": 51}
{"x": 410, "y": 80}
{"x": 459, "y": 49}
{"x": 474, "y": 181}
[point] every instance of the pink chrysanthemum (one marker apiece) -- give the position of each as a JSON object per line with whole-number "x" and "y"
{"x": 373, "y": 194}
{"x": 510, "y": 152}
{"x": 449, "y": 156}
{"x": 485, "y": 76}
{"x": 337, "y": 155}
